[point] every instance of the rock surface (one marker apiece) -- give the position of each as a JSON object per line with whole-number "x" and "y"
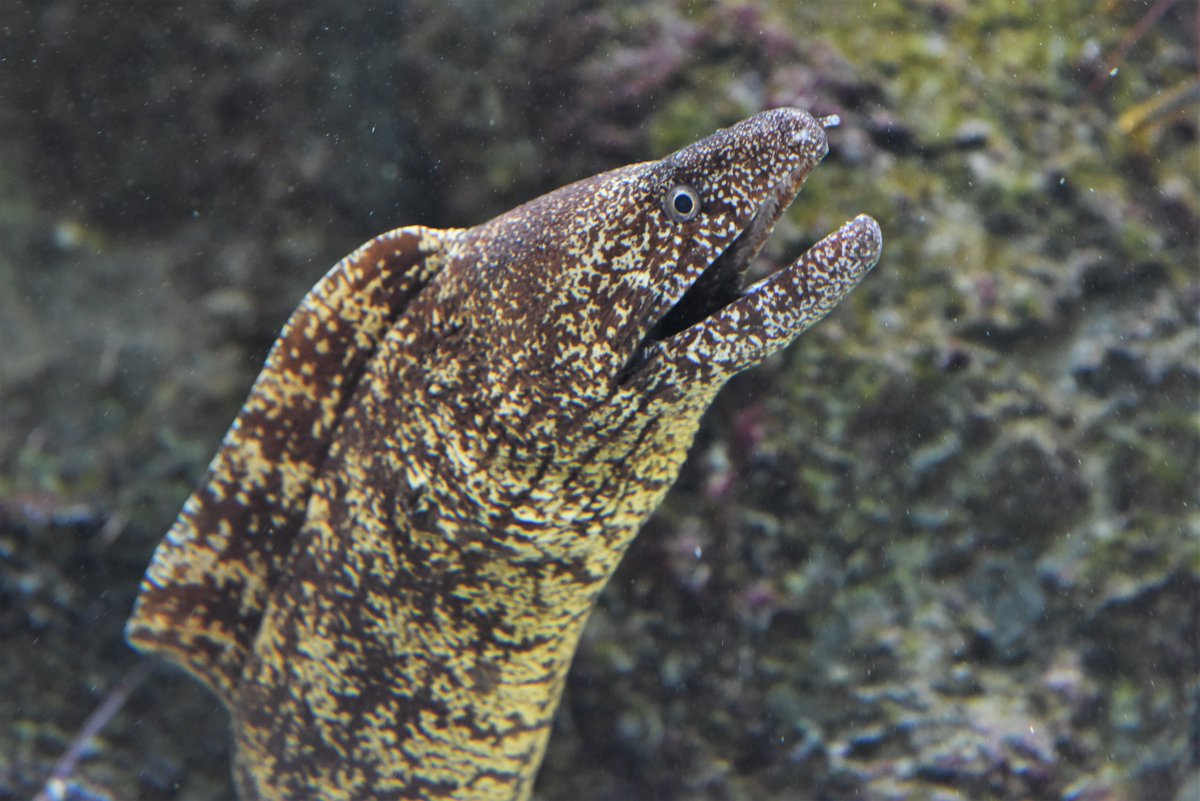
{"x": 946, "y": 547}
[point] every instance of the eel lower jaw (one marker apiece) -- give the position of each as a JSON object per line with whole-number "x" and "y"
{"x": 768, "y": 315}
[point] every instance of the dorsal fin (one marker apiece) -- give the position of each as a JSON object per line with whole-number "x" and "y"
{"x": 203, "y": 594}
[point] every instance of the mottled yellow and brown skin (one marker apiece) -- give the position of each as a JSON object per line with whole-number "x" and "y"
{"x": 386, "y": 571}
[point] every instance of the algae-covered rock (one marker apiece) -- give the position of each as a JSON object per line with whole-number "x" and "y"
{"x": 946, "y": 546}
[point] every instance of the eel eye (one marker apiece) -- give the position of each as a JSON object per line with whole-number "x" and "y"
{"x": 682, "y": 203}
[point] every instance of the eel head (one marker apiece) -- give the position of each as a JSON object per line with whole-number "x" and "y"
{"x": 632, "y": 280}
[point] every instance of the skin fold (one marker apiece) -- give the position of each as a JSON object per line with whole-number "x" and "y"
{"x": 385, "y": 572}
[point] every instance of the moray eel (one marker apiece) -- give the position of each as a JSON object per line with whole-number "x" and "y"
{"x": 386, "y": 571}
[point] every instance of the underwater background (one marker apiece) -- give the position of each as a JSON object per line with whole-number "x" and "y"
{"x": 946, "y": 546}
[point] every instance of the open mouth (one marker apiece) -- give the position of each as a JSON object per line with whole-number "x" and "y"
{"x": 719, "y": 326}
{"x": 721, "y": 282}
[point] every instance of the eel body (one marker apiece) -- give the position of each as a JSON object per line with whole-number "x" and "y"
{"x": 386, "y": 571}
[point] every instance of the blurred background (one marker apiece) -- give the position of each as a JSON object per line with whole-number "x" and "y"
{"x": 946, "y": 546}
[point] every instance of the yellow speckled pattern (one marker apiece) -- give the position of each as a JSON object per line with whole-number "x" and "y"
{"x": 387, "y": 569}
